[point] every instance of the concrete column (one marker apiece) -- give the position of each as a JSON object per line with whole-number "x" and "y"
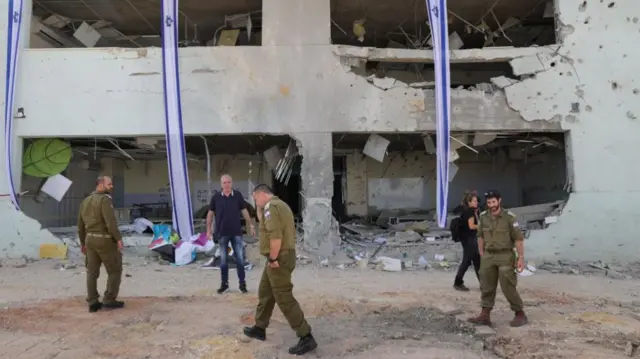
{"x": 295, "y": 22}
{"x": 320, "y": 228}
{"x": 357, "y": 185}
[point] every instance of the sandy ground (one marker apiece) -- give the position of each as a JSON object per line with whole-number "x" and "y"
{"x": 363, "y": 314}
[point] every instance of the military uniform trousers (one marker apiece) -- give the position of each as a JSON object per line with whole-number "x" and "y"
{"x": 101, "y": 249}
{"x": 498, "y": 267}
{"x": 276, "y": 288}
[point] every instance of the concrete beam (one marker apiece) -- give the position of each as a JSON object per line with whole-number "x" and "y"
{"x": 489, "y": 54}
{"x": 230, "y": 90}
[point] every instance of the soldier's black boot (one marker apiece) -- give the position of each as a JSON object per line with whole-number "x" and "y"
{"x": 95, "y": 307}
{"x": 223, "y": 288}
{"x": 116, "y": 304}
{"x": 243, "y": 288}
{"x": 305, "y": 345}
{"x": 255, "y": 333}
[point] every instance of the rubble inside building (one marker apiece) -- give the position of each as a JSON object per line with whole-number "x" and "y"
{"x": 383, "y": 204}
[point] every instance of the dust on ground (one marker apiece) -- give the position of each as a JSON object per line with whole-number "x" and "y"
{"x": 174, "y": 312}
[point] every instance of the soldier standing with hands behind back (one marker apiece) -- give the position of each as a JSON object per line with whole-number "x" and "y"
{"x": 278, "y": 244}
{"x": 101, "y": 243}
{"x": 498, "y": 234}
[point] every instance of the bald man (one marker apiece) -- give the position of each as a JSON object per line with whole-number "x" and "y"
{"x": 101, "y": 243}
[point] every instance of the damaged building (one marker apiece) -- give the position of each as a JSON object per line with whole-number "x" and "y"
{"x": 333, "y": 104}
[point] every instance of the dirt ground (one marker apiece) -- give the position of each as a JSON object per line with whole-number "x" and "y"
{"x": 362, "y": 314}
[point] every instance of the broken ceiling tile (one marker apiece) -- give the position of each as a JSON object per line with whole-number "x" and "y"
{"x": 87, "y": 35}
{"x": 56, "y": 21}
{"x": 376, "y": 147}
{"x": 453, "y": 156}
{"x": 527, "y": 65}
{"x": 273, "y": 157}
{"x": 511, "y": 22}
{"x": 56, "y": 186}
{"x": 455, "y": 42}
{"x": 429, "y": 146}
{"x": 481, "y": 139}
{"x": 147, "y": 142}
{"x": 228, "y": 37}
{"x": 453, "y": 170}
{"x": 503, "y": 81}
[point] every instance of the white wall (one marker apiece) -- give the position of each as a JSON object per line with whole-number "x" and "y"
{"x": 407, "y": 180}
{"x": 229, "y": 90}
{"x": 596, "y": 68}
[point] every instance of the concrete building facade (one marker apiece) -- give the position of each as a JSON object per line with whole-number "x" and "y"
{"x": 584, "y": 87}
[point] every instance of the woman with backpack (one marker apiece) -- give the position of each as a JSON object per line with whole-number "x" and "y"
{"x": 467, "y": 235}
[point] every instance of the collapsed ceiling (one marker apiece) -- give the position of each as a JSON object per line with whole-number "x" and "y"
{"x": 397, "y": 23}
{"x": 154, "y": 148}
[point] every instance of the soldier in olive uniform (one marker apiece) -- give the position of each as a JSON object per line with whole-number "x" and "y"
{"x": 278, "y": 245}
{"x": 498, "y": 234}
{"x": 101, "y": 243}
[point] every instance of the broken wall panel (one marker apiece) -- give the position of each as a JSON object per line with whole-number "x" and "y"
{"x": 406, "y": 180}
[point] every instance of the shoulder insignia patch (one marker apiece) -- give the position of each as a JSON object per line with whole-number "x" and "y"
{"x": 511, "y": 213}
{"x": 483, "y": 213}
{"x": 266, "y": 206}
{"x": 515, "y": 224}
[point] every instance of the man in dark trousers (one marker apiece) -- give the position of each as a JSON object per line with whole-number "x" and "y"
{"x": 228, "y": 207}
{"x": 498, "y": 236}
{"x": 278, "y": 245}
{"x": 101, "y": 243}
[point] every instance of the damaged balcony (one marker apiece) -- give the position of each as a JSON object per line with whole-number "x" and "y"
{"x": 475, "y": 24}
{"x": 136, "y": 23}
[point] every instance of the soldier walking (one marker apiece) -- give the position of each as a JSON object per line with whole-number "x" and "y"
{"x": 101, "y": 243}
{"x": 278, "y": 244}
{"x": 498, "y": 234}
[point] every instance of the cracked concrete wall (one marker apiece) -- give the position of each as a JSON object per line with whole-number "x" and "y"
{"x": 320, "y": 227}
{"x": 19, "y": 234}
{"x": 407, "y": 180}
{"x": 590, "y": 87}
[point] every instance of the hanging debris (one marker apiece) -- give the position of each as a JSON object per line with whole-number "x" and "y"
{"x": 284, "y": 169}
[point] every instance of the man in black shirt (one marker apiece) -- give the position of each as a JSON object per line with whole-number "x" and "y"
{"x": 227, "y": 207}
{"x": 468, "y": 239}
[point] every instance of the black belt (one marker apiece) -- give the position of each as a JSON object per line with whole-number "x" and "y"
{"x": 502, "y": 250}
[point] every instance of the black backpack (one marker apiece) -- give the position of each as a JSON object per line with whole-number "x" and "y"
{"x": 455, "y": 227}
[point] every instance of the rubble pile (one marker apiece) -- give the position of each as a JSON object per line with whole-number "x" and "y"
{"x": 628, "y": 271}
{"x": 396, "y": 243}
